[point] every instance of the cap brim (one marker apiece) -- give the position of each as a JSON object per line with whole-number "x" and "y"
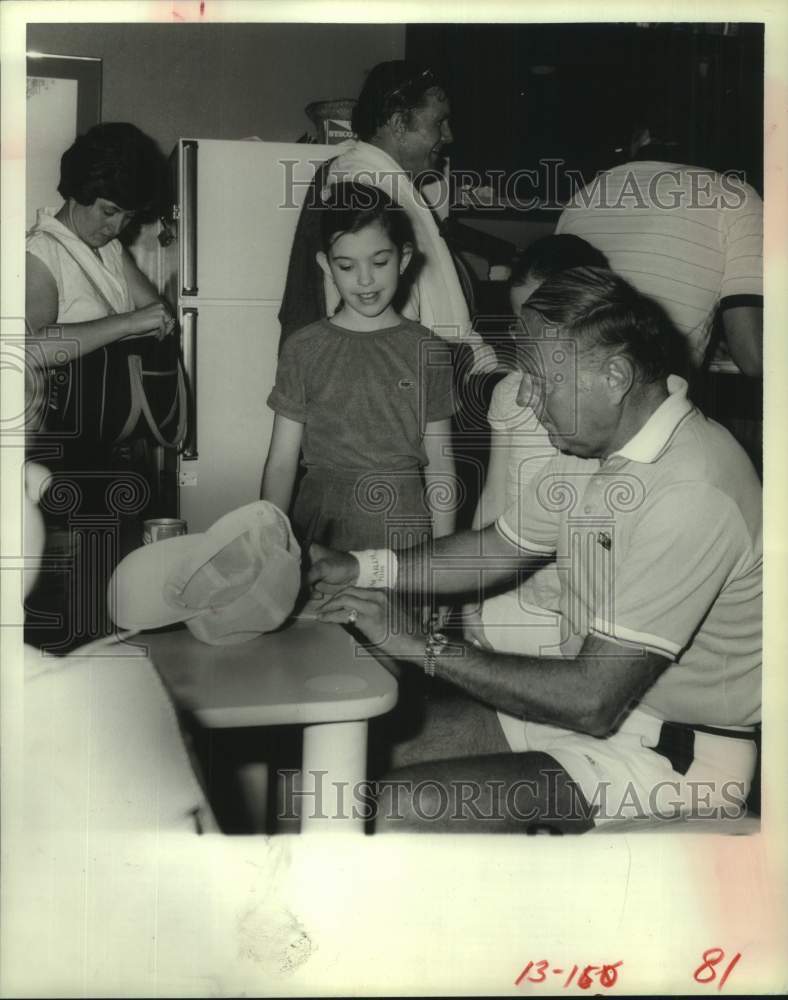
{"x": 135, "y": 596}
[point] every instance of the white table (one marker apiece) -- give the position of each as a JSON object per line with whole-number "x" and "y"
{"x": 309, "y": 674}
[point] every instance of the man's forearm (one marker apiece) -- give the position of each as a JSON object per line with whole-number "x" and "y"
{"x": 560, "y": 692}
{"x": 588, "y": 693}
{"x": 743, "y": 326}
{"x": 461, "y": 563}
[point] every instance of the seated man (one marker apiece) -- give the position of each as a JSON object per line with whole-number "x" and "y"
{"x": 652, "y": 513}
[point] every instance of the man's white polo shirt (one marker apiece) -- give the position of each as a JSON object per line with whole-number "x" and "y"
{"x": 660, "y": 546}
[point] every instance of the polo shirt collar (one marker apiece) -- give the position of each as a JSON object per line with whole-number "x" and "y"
{"x": 650, "y": 440}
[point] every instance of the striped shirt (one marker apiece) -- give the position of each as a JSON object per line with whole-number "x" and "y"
{"x": 687, "y": 237}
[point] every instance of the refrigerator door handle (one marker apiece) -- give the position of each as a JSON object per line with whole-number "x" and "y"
{"x": 189, "y": 332}
{"x": 188, "y": 220}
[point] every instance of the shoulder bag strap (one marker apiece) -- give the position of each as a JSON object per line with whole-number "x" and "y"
{"x": 139, "y": 404}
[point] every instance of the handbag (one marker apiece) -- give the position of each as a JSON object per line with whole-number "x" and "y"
{"x": 133, "y": 388}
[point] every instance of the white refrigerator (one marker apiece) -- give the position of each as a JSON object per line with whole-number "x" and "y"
{"x": 235, "y": 215}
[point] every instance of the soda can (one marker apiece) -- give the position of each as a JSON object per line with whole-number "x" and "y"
{"x": 159, "y": 528}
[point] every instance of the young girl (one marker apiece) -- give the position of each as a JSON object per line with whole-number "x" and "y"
{"x": 519, "y": 445}
{"x": 365, "y": 395}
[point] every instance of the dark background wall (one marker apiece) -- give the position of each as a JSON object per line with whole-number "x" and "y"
{"x": 222, "y": 81}
{"x": 521, "y": 92}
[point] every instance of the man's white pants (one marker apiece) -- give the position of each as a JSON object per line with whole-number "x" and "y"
{"x": 620, "y": 775}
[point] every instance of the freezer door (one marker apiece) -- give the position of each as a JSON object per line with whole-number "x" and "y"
{"x": 248, "y": 199}
{"x": 232, "y": 353}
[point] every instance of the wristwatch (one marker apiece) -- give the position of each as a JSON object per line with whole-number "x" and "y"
{"x": 434, "y": 645}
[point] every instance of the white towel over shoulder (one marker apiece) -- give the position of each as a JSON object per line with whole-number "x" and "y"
{"x": 436, "y": 300}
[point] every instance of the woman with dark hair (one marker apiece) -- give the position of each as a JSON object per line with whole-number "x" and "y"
{"x": 79, "y": 278}
{"x": 84, "y": 293}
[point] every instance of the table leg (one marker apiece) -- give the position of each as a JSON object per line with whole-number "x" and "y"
{"x": 334, "y": 764}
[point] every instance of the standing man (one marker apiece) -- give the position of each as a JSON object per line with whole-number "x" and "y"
{"x": 688, "y": 237}
{"x": 652, "y": 514}
{"x": 402, "y": 123}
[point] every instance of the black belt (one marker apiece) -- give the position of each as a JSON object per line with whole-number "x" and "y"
{"x": 677, "y": 742}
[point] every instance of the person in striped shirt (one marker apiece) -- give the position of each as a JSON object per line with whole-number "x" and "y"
{"x": 688, "y": 237}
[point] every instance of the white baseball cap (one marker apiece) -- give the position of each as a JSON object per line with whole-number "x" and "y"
{"x": 229, "y": 584}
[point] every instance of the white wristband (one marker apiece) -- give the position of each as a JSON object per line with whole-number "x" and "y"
{"x": 377, "y": 568}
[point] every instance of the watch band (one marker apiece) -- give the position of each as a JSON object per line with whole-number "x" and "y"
{"x": 434, "y": 645}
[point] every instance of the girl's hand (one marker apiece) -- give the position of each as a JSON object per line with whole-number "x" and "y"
{"x": 472, "y": 627}
{"x": 331, "y": 567}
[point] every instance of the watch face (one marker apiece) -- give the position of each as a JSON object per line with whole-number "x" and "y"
{"x": 437, "y": 640}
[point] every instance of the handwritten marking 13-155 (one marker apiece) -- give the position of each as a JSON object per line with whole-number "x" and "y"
{"x": 540, "y": 972}
{"x": 607, "y": 975}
